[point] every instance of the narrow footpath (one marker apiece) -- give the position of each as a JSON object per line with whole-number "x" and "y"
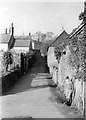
{"x": 32, "y": 97}
{"x": 28, "y": 81}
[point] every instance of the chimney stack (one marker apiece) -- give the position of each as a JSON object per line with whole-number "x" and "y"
{"x": 11, "y": 30}
{"x": 6, "y": 31}
{"x": 29, "y": 35}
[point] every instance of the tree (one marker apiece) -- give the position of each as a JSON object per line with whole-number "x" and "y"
{"x": 49, "y": 36}
{"x": 45, "y": 46}
{"x": 81, "y": 16}
{"x": 38, "y": 36}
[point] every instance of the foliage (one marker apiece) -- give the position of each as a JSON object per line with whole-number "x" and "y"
{"x": 76, "y": 58}
{"x": 75, "y": 61}
{"x": 59, "y": 51}
{"x": 38, "y": 36}
{"x": 8, "y": 59}
{"x": 41, "y": 37}
{"x": 81, "y": 16}
{"x": 49, "y": 36}
{"x": 45, "y": 45}
{"x": 44, "y": 48}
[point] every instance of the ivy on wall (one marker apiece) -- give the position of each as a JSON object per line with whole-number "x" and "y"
{"x": 76, "y": 58}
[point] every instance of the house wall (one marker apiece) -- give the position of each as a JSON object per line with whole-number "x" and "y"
{"x": 3, "y": 47}
{"x": 33, "y": 45}
{"x": 21, "y": 49}
{"x": 51, "y": 59}
{"x": 64, "y": 68}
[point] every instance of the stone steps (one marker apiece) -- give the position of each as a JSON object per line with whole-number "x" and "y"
{"x": 40, "y": 80}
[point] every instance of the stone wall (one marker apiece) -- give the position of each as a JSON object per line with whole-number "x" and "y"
{"x": 72, "y": 65}
{"x": 65, "y": 68}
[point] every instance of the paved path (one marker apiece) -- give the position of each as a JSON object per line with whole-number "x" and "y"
{"x": 37, "y": 103}
{"x": 32, "y": 97}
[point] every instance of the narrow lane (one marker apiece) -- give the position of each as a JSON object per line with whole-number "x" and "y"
{"x": 32, "y": 97}
{"x": 38, "y": 70}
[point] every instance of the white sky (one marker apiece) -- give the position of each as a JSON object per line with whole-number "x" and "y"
{"x": 40, "y": 16}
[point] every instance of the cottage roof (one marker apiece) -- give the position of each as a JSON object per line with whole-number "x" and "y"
{"x": 21, "y": 37}
{"x": 60, "y": 39}
{"x": 4, "y": 38}
{"x": 22, "y": 43}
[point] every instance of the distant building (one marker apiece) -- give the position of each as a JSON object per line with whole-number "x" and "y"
{"x": 23, "y": 44}
{"x": 7, "y": 40}
{"x": 37, "y": 45}
{"x": 51, "y": 58}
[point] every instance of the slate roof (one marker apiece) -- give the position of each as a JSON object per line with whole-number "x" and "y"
{"x": 4, "y": 38}
{"x": 60, "y": 39}
{"x": 22, "y": 43}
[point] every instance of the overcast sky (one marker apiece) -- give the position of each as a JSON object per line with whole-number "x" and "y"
{"x": 40, "y": 16}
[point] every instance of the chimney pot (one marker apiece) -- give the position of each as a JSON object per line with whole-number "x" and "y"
{"x": 12, "y": 28}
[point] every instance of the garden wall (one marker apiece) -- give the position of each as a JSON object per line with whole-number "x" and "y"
{"x": 8, "y": 80}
